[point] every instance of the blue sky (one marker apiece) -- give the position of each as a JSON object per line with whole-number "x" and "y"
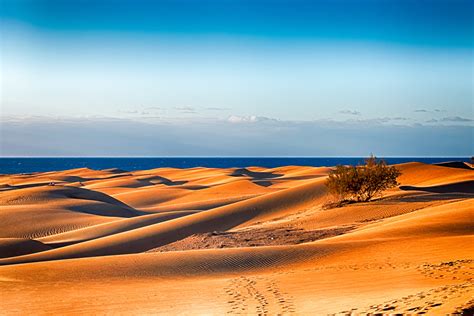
{"x": 293, "y": 68}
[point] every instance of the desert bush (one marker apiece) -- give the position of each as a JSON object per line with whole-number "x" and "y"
{"x": 362, "y": 183}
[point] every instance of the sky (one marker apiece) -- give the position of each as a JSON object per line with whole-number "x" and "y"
{"x": 236, "y": 78}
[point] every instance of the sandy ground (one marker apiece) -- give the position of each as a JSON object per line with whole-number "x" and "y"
{"x": 206, "y": 241}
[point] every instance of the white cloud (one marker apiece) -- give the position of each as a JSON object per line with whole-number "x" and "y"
{"x": 249, "y": 119}
{"x": 242, "y": 119}
{"x": 350, "y": 112}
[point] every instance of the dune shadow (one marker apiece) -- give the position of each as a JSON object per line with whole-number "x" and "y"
{"x": 458, "y": 187}
{"x": 263, "y": 183}
{"x": 266, "y": 183}
{"x": 101, "y": 208}
{"x": 88, "y": 194}
{"x": 429, "y": 197}
{"x": 165, "y": 181}
{"x": 455, "y": 164}
{"x": 23, "y": 186}
{"x": 115, "y": 170}
{"x": 195, "y": 187}
{"x": 254, "y": 174}
{"x": 96, "y": 202}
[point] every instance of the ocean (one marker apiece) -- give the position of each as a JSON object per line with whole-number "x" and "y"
{"x": 26, "y": 165}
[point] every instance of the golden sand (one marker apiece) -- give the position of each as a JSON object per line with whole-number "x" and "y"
{"x": 234, "y": 241}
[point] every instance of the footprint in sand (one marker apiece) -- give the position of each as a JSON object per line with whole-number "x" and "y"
{"x": 257, "y": 295}
{"x": 420, "y": 303}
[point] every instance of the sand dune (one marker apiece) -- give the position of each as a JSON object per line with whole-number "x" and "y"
{"x": 33, "y": 221}
{"x": 239, "y": 241}
{"x": 110, "y": 228}
{"x": 56, "y": 193}
{"x": 45, "y": 210}
{"x": 450, "y": 219}
{"x": 222, "y": 218}
{"x": 226, "y": 190}
{"x": 150, "y": 196}
{"x": 197, "y": 205}
{"x": 419, "y": 174}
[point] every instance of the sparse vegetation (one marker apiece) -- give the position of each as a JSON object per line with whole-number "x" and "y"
{"x": 361, "y": 183}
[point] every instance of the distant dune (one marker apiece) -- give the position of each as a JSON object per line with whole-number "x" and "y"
{"x": 234, "y": 241}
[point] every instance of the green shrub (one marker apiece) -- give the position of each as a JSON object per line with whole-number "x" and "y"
{"x": 362, "y": 183}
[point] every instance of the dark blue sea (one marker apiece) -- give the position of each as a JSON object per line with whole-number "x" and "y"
{"x": 27, "y": 165}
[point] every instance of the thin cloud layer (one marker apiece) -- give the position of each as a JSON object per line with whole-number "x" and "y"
{"x": 428, "y": 111}
{"x": 350, "y": 112}
{"x": 456, "y": 119}
{"x": 249, "y": 119}
{"x": 236, "y": 136}
{"x": 185, "y": 109}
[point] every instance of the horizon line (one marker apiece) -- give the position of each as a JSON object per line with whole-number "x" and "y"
{"x": 382, "y": 156}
